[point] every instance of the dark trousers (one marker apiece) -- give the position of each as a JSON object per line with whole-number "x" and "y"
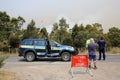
{"x": 102, "y": 51}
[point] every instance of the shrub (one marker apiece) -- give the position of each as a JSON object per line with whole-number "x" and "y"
{"x": 1, "y": 61}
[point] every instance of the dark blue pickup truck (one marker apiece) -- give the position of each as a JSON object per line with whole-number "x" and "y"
{"x": 32, "y": 49}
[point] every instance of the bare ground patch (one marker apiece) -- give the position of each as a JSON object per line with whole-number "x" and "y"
{"x": 5, "y": 75}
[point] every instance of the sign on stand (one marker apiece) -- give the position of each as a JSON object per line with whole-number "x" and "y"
{"x": 80, "y": 61}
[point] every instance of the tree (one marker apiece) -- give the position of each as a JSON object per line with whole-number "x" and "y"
{"x": 54, "y": 32}
{"x": 63, "y": 26}
{"x": 14, "y": 41}
{"x": 79, "y": 35}
{"x": 68, "y": 40}
{"x": 114, "y": 36}
{"x": 98, "y": 27}
{"x": 94, "y": 31}
{"x": 9, "y": 26}
{"x": 43, "y": 33}
{"x": 17, "y": 24}
{"x": 31, "y": 31}
{"x": 75, "y": 31}
{"x": 59, "y": 31}
{"x": 5, "y": 26}
{"x": 5, "y": 30}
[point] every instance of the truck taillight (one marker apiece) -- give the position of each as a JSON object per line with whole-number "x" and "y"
{"x": 19, "y": 46}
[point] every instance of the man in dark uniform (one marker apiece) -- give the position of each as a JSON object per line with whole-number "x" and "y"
{"x": 101, "y": 44}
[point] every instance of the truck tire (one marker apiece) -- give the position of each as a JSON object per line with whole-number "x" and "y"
{"x": 30, "y": 56}
{"x": 66, "y": 56}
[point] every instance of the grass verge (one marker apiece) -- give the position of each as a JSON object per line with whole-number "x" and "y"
{"x": 114, "y": 50}
{"x": 1, "y": 61}
{"x": 4, "y": 54}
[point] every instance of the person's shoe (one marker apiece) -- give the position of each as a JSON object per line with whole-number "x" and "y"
{"x": 95, "y": 67}
{"x": 99, "y": 59}
{"x": 104, "y": 59}
{"x": 89, "y": 66}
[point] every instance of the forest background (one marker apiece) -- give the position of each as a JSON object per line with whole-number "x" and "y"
{"x": 12, "y": 33}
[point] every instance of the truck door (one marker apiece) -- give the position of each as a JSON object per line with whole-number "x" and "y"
{"x": 48, "y": 46}
{"x": 40, "y": 47}
{"x": 55, "y": 49}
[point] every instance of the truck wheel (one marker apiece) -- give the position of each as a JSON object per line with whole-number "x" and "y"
{"x": 66, "y": 56}
{"x": 30, "y": 56}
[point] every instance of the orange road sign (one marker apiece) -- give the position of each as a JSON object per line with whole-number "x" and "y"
{"x": 79, "y": 61}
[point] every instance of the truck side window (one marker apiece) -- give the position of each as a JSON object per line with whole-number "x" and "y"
{"x": 27, "y": 42}
{"x": 52, "y": 43}
{"x": 39, "y": 43}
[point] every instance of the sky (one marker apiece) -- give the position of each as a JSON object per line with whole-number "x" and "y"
{"x": 47, "y": 12}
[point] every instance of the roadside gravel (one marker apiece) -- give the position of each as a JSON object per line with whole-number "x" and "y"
{"x": 52, "y": 69}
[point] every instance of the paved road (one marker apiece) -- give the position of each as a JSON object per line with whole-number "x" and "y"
{"x": 54, "y": 69}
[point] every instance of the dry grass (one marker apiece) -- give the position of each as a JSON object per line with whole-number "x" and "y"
{"x": 3, "y": 56}
{"x": 114, "y": 50}
{"x": 1, "y": 61}
{"x": 7, "y": 54}
{"x": 8, "y": 76}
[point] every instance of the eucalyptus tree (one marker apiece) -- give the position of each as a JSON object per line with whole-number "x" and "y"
{"x": 63, "y": 26}
{"x": 54, "y": 33}
{"x": 32, "y": 31}
{"x": 114, "y": 36}
{"x": 43, "y": 33}
{"x": 9, "y": 27}
{"x": 5, "y": 26}
{"x": 60, "y": 31}
{"x": 75, "y": 31}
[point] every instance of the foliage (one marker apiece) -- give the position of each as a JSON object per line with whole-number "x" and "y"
{"x": 53, "y": 35}
{"x": 114, "y": 36}
{"x": 31, "y": 31}
{"x": 1, "y": 61}
{"x": 78, "y": 35}
{"x": 11, "y": 32}
{"x": 43, "y": 33}
{"x": 81, "y": 33}
{"x": 68, "y": 40}
{"x": 16, "y": 24}
{"x": 75, "y": 31}
{"x": 14, "y": 41}
{"x": 5, "y": 26}
{"x": 59, "y": 31}
{"x": 62, "y": 32}
{"x": 8, "y": 26}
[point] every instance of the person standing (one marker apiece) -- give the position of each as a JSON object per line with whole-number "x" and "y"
{"x": 101, "y": 48}
{"x": 92, "y": 52}
{"x": 87, "y": 42}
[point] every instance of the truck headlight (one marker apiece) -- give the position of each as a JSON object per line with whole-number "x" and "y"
{"x": 72, "y": 49}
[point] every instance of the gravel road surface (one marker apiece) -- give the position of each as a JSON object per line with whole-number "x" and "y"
{"x": 54, "y": 69}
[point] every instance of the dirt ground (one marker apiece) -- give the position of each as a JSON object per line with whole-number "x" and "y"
{"x": 5, "y": 75}
{"x": 58, "y": 70}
